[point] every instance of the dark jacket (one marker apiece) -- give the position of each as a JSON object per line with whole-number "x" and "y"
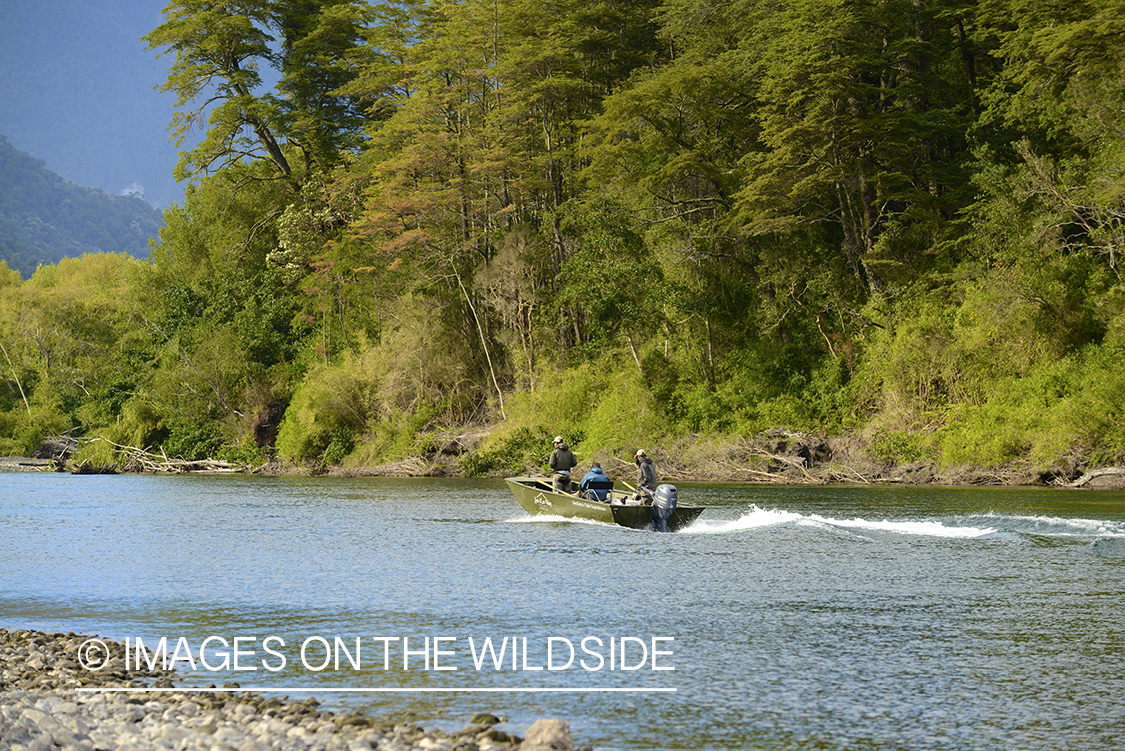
{"x": 562, "y": 459}
{"x": 646, "y": 474}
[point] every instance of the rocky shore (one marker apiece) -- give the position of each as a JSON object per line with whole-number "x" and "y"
{"x": 41, "y": 708}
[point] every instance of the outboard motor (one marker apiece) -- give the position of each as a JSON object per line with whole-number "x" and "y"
{"x": 663, "y": 504}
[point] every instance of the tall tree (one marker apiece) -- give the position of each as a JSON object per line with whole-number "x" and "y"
{"x": 320, "y": 54}
{"x": 219, "y": 48}
{"x": 863, "y": 120}
{"x": 1059, "y": 96}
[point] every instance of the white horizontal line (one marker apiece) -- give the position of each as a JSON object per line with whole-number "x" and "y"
{"x": 296, "y": 690}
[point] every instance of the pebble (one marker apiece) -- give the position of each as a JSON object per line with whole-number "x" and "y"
{"x": 40, "y": 710}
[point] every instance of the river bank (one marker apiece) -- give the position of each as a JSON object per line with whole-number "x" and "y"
{"x": 776, "y": 457}
{"x": 772, "y": 458}
{"x": 42, "y": 708}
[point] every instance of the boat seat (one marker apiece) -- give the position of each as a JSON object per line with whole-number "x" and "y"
{"x": 599, "y": 490}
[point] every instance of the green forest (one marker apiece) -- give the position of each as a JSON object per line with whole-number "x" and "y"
{"x": 659, "y": 223}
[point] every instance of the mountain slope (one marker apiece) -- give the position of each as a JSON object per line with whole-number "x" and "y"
{"x": 77, "y": 90}
{"x": 44, "y": 218}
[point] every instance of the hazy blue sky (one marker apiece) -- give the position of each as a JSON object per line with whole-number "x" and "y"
{"x": 76, "y": 90}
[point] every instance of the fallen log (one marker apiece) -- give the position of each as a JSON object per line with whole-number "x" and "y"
{"x": 143, "y": 460}
{"x": 1093, "y": 474}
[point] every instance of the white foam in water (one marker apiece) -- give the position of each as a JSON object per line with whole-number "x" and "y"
{"x": 752, "y": 518}
{"x": 757, "y": 518}
{"x": 1054, "y": 526}
{"x": 917, "y": 528}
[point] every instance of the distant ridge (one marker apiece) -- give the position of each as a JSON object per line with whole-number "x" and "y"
{"x": 44, "y": 218}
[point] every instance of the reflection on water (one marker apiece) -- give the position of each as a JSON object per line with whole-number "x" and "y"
{"x": 879, "y": 618}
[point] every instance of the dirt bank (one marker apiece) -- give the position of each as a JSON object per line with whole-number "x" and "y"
{"x": 775, "y": 457}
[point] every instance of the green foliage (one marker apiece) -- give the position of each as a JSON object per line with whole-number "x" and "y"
{"x": 510, "y": 454}
{"x": 218, "y": 50}
{"x": 319, "y": 40}
{"x": 611, "y": 278}
{"x": 23, "y": 430}
{"x": 600, "y": 407}
{"x": 1094, "y": 416}
{"x": 192, "y": 441}
{"x": 622, "y": 417}
{"x": 1022, "y": 419}
{"x": 97, "y": 452}
{"x": 329, "y": 408}
{"x": 395, "y": 436}
{"x": 561, "y": 404}
{"x": 340, "y": 444}
{"x": 242, "y": 453}
{"x": 618, "y": 223}
{"x": 902, "y": 447}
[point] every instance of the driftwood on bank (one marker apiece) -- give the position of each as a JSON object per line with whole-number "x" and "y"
{"x": 1095, "y": 474}
{"x": 775, "y": 457}
{"x": 143, "y": 460}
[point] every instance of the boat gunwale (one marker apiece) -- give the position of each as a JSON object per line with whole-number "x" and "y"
{"x": 544, "y": 484}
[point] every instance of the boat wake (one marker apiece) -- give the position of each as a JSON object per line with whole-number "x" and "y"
{"x": 969, "y": 527}
{"x": 924, "y": 528}
{"x": 1053, "y": 526}
{"x": 752, "y": 518}
{"x": 959, "y": 527}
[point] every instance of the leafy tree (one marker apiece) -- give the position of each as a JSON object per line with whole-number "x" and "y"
{"x": 862, "y": 118}
{"x": 1061, "y": 89}
{"x": 611, "y": 278}
{"x": 320, "y": 41}
{"x": 219, "y": 49}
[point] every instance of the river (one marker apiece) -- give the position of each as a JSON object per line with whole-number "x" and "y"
{"x": 785, "y": 618}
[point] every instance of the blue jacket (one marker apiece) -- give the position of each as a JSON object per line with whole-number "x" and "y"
{"x": 595, "y": 475}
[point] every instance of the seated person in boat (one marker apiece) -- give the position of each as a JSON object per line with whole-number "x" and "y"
{"x": 596, "y": 485}
{"x": 562, "y": 461}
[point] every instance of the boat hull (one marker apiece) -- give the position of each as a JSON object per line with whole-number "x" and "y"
{"x": 538, "y": 498}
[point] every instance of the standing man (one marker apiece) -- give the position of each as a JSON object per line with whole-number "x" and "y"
{"x": 562, "y": 461}
{"x": 646, "y": 474}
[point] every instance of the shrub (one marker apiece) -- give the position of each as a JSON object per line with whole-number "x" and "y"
{"x": 192, "y": 440}
{"x": 329, "y": 405}
{"x": 97, "y": 452}
{"x": 514, "y": 453}
{"x": 1095, "y": 412}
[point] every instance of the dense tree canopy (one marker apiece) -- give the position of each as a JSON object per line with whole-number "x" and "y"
{"x": 623, "y": 220}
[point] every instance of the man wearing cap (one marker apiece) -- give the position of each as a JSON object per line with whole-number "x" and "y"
{"x": 562, "y": 461}
{"x": 646, "y": 474}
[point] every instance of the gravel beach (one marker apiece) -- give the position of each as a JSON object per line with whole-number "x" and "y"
{"x": 41, "y": 708}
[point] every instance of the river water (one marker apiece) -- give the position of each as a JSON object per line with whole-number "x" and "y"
{"x": 785, "y": 618}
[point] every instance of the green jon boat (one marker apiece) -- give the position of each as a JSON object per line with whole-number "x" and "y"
{"x": 538, "y": 498}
